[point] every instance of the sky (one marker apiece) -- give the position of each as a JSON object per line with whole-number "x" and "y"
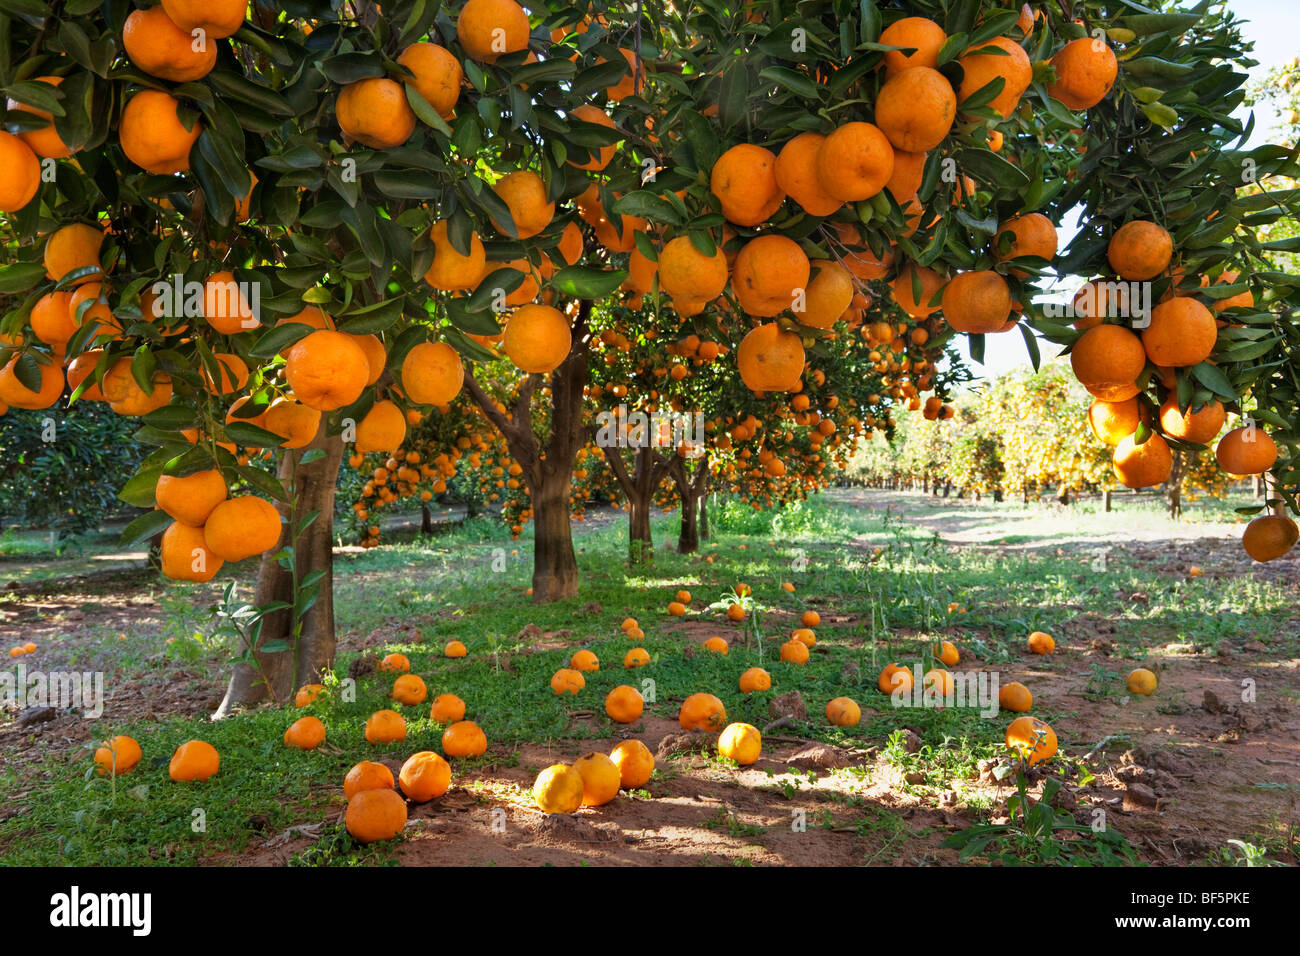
{"x": 1273, "y": 26}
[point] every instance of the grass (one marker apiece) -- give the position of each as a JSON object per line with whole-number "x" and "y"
{"x": 883, "y": 589}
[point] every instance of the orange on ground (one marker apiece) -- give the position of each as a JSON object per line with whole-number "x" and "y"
{"x": 374, "y": 815}
{"x": 385, "y": 726}
{"x": 741, "y": 742}
{"x": 194, "y": 760}
{"x": 464, "y": 738}
{"x": 367, "y": 775}
{"x": 635, "y": 763}
{"x": 1031, "y": 738}
{"x": 424, "y": 776}
{"x": 558, "y": 789}
{"x": 118, "y": 755}
{"x": 624, "y": 704}
{"x": 1015, "y": 697}
{"x": 702, "y": 712}
{"x": 601, "y": 778}
{"x": 305, "y": 733}
{"x": 843, "y": 712}
{"x": 1041, "y": 642}
{"x": 447, "y": 709}
{"x": 1141, "y": 681}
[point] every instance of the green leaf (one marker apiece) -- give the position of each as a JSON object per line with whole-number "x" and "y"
{"x": 987, "y": 166}
{"x": 278, "y": 338}
{"x": 798, "y": 83}
{"x": 20, "y": 276}
{"x": 144, "y": 527}
{"x": 646, "y": 205}
{"x": 245, "y": 433}
{"x": 582, "y": 282}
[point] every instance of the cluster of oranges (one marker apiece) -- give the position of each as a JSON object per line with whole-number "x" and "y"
{"x": 19, "y": 650}
{"x": 194, "y": 760}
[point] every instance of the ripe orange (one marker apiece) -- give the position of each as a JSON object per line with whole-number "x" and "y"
{"x": 432, "y": 373}
{"x": 1041, "y": 642}
{"x": 796, "y": 175}
{"x": 464, "y": 738}
{"x": 452, "y": 270}
{"x": 1031, "y": 738}
{"x": 1031, "y": 235}
{"x": 22, "y": 173}
{"x": 160, "y": 48}
{"x": 424, "y": 776}
{"x": 185, "y": 556}
{"x": 925, "y": 37}
{"x": 190, "y": 499}
{"x": 676, "y": 608}
{"x": 894, "y": 677}
{"x": 1269, "y": 536}
{"x": 1085, "y": 72}
{"x": 1248, "y": 450}
{"x": 600, "y": 156}
{"x": 367, "y": 775}
{"x": 153, "y": 136}
{"x": 409, "y": 689}
{"x": 567, "y": 680}
{"x": 584, "y": 660}
{"x": 768, "y": 274}
{"x": 438, "y": 75}
{"x": 382, "y": 429}
{"x": 977, "y": 302}
{"x": 537, "y": 338}
{"x": 447, "y": 709}
{"x": 1108, "y": 359}
{"x": 489, "y": 29}
{"x": 395, "y": 663}
{"x": 804, "y": 635}
{"x": 71, "y": 248}
{"x": 744, "y": 180}
{"x": 293, "y": 421}
{"x": 375, "y": 113}
{"x": 307, "y": 694}
{"x": 1182, "y": 332}
{"x": 1111, "y": 421}
{"x": 828, "y": 296}
{"x": 241, "y": 527}
{"x": 689, "y": 277}
{"x": 946, "y": 652}
{"x": 854, "y": 162}
{"x": 1141, "y": 681}
{"x": 305, "y": 733}
{"x": 635, "y": 763}
{"x": 385, "y": 726}
{"x": 843, "y": 712}
{"x": 1145, "y": 465}
{"x": 636, "y": 657}
{"x": 794, "y": 651}
{"x": 327, "y": 370}
{"x": 44, "y": 140}
{"x": 981, "y": 69}
{"x": 915, "y": 109}
{"x": 217, "y": 19}
{"x": 755, "y": 679}
{"x": 1140, "y": 250}
{"x": 735, "y": 612}
{"x": 601, "y": 778}
{"x": 702, "y": 712}
{"x": 1015, "y": 697}
{"x": 931, "y": 283}
{"x": 194, "y": 760}
{"x": 558, "y": 789}
{"x": 374, "y": 815}
{"x": 455, "y": 649}
{"x": 770, "y": 359}
{"x": 624, "y": 704}
{"x": 1198, "y": 426}
{"x": 524, "y": 194}
{"x": 741, "y": 742}
{"x": 118, "y": 755}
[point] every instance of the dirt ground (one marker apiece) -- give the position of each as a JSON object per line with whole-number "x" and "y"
{"x": 1179, "y": 774}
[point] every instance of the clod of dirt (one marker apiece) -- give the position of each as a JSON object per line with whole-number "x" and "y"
{"x": 789, "y": 704}
{"x": 363, "y": 665}
{"x": 1139, "y": 795}
{"x": 529, "y": 632}
{"x": 911, "y": 741}
{"x": 1211, "y": 702}
{"x": 914, "y": 777}
{"x": 592, "y": 607}
{"x": 36, "y": 715}
{"x": 819, "y": 757}
{"x": 948, "y": 798}
{"x": 562, "y": 828}
{"x": 673, "y": 743}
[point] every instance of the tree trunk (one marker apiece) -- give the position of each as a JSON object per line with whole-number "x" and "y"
{"x": 314, "y": 551}
{"x": 555, "y": 565}
{"x": 1105, "y": 499}
{"x": 688, "y": 538}
{"x": 704, "y": 517}
{"x": 426, "y": 519}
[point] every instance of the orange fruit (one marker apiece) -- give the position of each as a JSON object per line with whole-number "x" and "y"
{"x": 1140, "y": 250}
{"x": 558, "y": 789}
{"x": 455, "y": 649}
{"x": 232, "y": 374}
{"x": 118, "y": 755}
{"x": 452, "y": 270}
{"x": 946, "y": 652}
{"x": 1041, "y": 642}
{"x": 601, "y": 778}
{"x": 293, "y": 421}
{"x": 924, "y": 37}
{"x": 744, "y": 180}
{"x": 374, "y": 815}
{"x": 1145, "y": 465}
{"x": 636, "y": 657}
{"x": 524, "y": 194}
{"x": 796, "y": 175}
{"x": 1141, "y": 681}
{"x": 804, "y": 635}
{"x": 44, "y": 140}
{"x": 981, "y": 69}
{"x": 741, "y": 742}
{"x": 194, "y": 760}
{"x": 977, "y": 302}
{"x": 624, "y": 704}
{"x": 185, "y": 556}
{"x": 382, "y": 429}
{"x": 601, "y": 155}
{"x": 464, "y": 738}
{"x": 395, "y": 663}
{"x": 1085, "y": 72}
{"x": 843, "y": 712}
{"x": 567, "y": 680}
{"x": 447, "y": 709}
{"x": 828, "y": 296}
{"x": 305, "y": 733}
{"x": 367, "y": 775}
{"x": 931, "y": 282}
{"x": 241, "y": 527}
{"x": 152, "y": 135}
{"x": 432, "y": 373}
{"x": 1015, "y": 697}
{"x": 676, "y": 608}
{"x": 14, "y": 393}
{"x": 1031, "y": 738}
{"x": 717, "y": 645}
{"x": 1248, "y": 450}
{"x": 160, "y": 48}
{"x": 1269, "y": 536}
{"x": 374, "y": 112}
{"x": 915, "y": 109}
{"x": 584, "y": 660}
{"x": 71, "y": 248}
{"x": 689, "y": 277}
{"x": 794, "y": 651}
{"x": 635, "y": 763}
{"x": 438, "y": 75}
{"x": 51, "y": 319}
{"x": 488, "y": 29}
{"x": 385, "y": 726}
{"x": 769, "y": 272}
{"x": 1108, "y": 359}
{"x": 22, "y": 173}
{"x": 854, "y": 162}
{"x": 702, "y": 712}
{"x": 537, "y": 338}
{"x": 191, "y": 498}
{"x": 1031, "y": 235}
{"x": 770, "y": 359}
{"x": 307, "y": 694}
{"x": 810, "y": 619}
{"x": 755, "y": 679}
{"x": 1182, "y": 332}
{"x": 735, "y": 612}
{"x": 217, "y": 19}
{"x": 326, "y": 370}
{"x": 1112, "y": 421}
{"x": 409, "y": 689}
{"x": 1198, "y": 426}
{"x": 424, "y": 776}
